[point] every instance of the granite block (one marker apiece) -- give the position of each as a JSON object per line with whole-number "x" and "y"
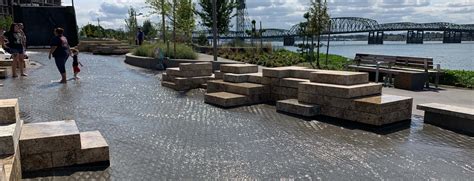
{"x": 325, "y": 100}
{"x": 295, "y": 107}
{"x": 382, "y": 104}
{"x": 94, "y": 148}
{"x": 302, "y": 73}
{"x": 341, "y": 91}
{"x": 292, "y": 82}
{"x": 195, "y": 66}
{"x": 340, "y": 77}
{"x": 280, "y": 72}
{"x": 235, "y": 78}
{"x": 36, "y": 162}
{"x": 225, "y": 99}
{"x": 239, "y": 68}
{"x": 9, "y": 111}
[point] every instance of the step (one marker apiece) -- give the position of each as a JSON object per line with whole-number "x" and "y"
{"x": 9, "y": 137}
{"x": 188, "y": 73}
{"x": 195, "y": 66}
{"x": 292, "y": 82}
{"x": 235, "y": 78}
{"x": 94, "y": 148}
{"x": 239, "y": 68}
{"x": 341, "y": 91}
{"x": 237, "y": 88}
{"x": 302, "y": 73}
{"x": 256, "y": 78}
{"x": 382, "y": 104}
{"x": 49, "y": 144}
{"x": 294, "y": 107}
{"x": 340, "y": 77}
{"x": 9, "y": 111}
{"x": 280, "y": 72}
{"x": 225, "y": 99}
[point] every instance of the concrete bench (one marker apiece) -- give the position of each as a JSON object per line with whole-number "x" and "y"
{"x": 449, "y": 117}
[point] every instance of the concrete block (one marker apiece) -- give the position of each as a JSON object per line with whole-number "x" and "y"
{"x": 9, "y": 111}
{"x": 246, "y": 88}
{"x": 340, "y": 77}
{"x": 64, "y": 158}
{"x": 341, "y": 91}
{"x": 256, "y": 78}
{"x": 10, "y": 168}
{"x": 167, "y": 78}
{"x": 235, "y": 78}
{"x": 188, "y": 73}
{"x": 382, "y": 104}
{"x": 6, "y": 63}
{"x": 3, "y": 73}
{"x": 286, "y": 91}
{"x": 378, "y": 119}
{"x": 411, "y": 80}
{"x": 195, "y": 66}
{"x": 48, "y": 137}
{"x": 292, "y": 82}
{"x": 225, "y": 99}
{"x": 302, "y": 73}
{"x": 449, "y": 122}
{"x": 267, "y": 80}
{"x": 295, "y": 107}
{"x": 280, "y": 72}
{"x": 215, "y": 86}
{"x": 239, "y": 68}
{"x": 331, "y": 111}
{"x": 454, "y": 111}
{"x": 9, "y": 137}
{"x": 218, "y": 74}
{"x": 94, "y": 148}
{"x": 36, "y": 162}
{"x": 170, "y": 85}
{"x": 325, "y": 100}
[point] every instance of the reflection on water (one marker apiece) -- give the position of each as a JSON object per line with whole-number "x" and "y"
{"x": 450, "y": 56}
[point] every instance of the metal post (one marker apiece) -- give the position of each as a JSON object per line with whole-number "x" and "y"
{"x": 427, "y": 74}
{"x": 214, "y": 28}
{"x": 438, "y": 69}
{"x": 377, "y": 72}
{"x": 327, "y": 48}
{"x": 72, "y": 1}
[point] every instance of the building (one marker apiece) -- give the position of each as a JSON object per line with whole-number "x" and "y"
{"x": 6, "y": 6}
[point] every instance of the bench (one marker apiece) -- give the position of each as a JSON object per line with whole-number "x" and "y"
{"x": 410, "y": 73}
{"x": 450, "y": 117}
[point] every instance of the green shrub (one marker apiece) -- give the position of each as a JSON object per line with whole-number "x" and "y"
{"x": 182, "y": 51}
{"x": 459, "y": 78}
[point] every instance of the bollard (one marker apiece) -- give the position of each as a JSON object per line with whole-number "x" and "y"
{"x": 428, "y": 74}
{"x": 377, "y": 72}
{"x": 438, "y": 69}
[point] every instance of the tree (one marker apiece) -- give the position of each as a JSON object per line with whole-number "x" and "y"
{"x": 185, "y": 17}
{"x": 161, "y": 7}
{"x": 131, "y": 23}
{"x": 5, "y": 22}
{"x": 224, "y": 14}
{"x": 318, "y": 22}
{"x": 149, "y": 29}
{"x": 92, "y": 31}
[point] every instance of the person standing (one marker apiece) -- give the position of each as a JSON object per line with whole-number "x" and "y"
{"x": 23, "y": 42}
{"x": 140, "y": 36}
{"x": 60, "y": 50}
{"x": 12, "y": 43}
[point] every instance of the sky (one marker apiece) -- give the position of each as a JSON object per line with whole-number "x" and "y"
{"x": 286, "y": 13}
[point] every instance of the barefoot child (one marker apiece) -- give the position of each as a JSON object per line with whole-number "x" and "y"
{"x": 75, "y": 62}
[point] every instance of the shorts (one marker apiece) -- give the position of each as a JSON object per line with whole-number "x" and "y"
{"x": 61, "y": 63}
{"x": 76, "y": 69}
{"x": 15, "y": 50}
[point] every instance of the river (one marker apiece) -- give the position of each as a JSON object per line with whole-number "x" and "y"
{"x": 458, "y": 56}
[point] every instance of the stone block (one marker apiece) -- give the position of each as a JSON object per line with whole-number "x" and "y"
{"x": 187, "y": 73}
{"x": 239, "y": 68}
{"x": 455, "y": 111}
{"x": 64, "y": 158}
{"x": 278, "y": 97}
{"x": 302, "y": 73}
{"x": 280, "y": 72}
{"x": 48, "y": 137}
{"x": 256, "y": 78}
{"x": 195, "y": 66}
{"x": 235, "y": 78}
{"x": 192, "y": 82}
{"x": 458, "y": 124}
{"x": 286, "y": 91}
{"x": 225, "y": 99}
{"x": 292, "y": 82}
{"x": 325, "y": 100}
{"x": 341, "y": 91}
{"x": 411, "y": 80}
{"x": 170, "y": 85}
{"x": 6, "y": 63}
{"x": 9, "y": 137}
{"x": 378, "y": 119}
{"x": 10, "y": 168}
{"x": 94, "y": 148}
{"x": 331, "y": 111}
{"x": 218, "y": 74}
{"x": 295, "y": 107}
{"x": 382, "y": 104}
{"x": 267, "y": 80}
{"x": 167, "y": 78}
{"x": 3, "y": 73}
{"x": 340, "y": 77}
{"x": 246, "y": 88}
{"x": 9, "y": 111}
{"x": 215, "y": 86}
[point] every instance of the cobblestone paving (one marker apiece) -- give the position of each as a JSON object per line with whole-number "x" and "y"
{"x": 156, "y": 133}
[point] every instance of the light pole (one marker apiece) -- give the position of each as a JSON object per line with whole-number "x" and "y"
{"x": 214, "y": 28}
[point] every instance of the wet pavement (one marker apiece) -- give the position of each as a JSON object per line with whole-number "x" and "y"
{"x": 156, "y": 133}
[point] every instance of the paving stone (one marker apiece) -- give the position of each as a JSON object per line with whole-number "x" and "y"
{"x": 195, "y": 66}
{"x": 235, "y": 78}
{"x": 9, "y": 137}
{"x": 239, "y": 68}
{"x": 295, "y": 107}
{"x": 94, "y": 148}
{"x": 9, "y": 111}
{"x": 48, "y": 137}
{"x": 225, "y": 99}
{"x": 292, "y": 82}
{"x": 382, "y": 104}
{"x": 342, "y": 91}
{"x": 339, "y": 77}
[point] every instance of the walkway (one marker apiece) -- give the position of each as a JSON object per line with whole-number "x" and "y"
{"x": 156, "y": 133}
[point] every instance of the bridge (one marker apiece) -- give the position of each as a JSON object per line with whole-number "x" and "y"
{"x": 452, "y": 33}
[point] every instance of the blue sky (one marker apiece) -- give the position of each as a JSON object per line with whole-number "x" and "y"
{"x": 285, "y": 13}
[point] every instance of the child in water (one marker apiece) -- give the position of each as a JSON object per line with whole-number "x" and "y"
{"x": 75, "y": 63}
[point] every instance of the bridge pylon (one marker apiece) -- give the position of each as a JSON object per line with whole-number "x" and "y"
{"x": 452, "y": 36}
{"x": 376, "y": 37}
{"x": 288, "y": 41}
{"x": 415, "y": 36}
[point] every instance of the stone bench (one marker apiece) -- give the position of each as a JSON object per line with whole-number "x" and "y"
{"x": 449, "y": 117}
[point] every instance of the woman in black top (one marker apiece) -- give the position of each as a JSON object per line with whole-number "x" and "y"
{"x": 12, "y": 42}
{"x": 60, "y": 50}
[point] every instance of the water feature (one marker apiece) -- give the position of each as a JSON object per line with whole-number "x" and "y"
{"x": 450, "y": 56}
